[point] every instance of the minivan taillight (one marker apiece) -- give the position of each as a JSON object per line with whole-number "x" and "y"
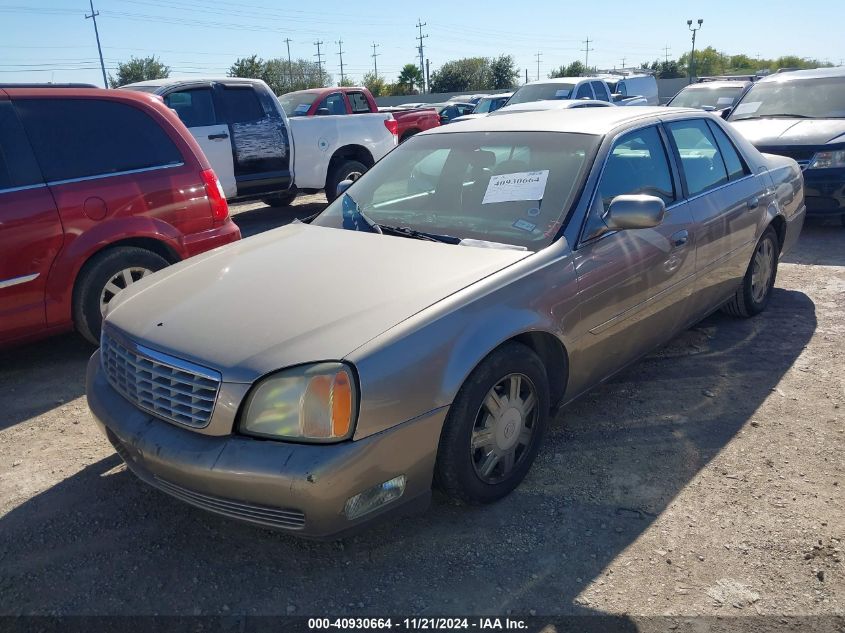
{"x": 216, "y": 197}
{"x": 392, "y": 125}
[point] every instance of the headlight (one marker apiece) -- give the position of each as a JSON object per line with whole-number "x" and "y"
{"x": 314, "y": 403}
{"x": 824, "y": 160}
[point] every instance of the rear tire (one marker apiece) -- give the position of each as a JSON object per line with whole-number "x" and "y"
{"x": 345, "y": 170}
{"x": 102, "y": 277}
{"x": 491, "y": 436}
{"x": 753, "y": 295}
{"x": 281, "y": 200}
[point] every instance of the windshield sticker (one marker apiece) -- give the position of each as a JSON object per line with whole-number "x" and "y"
{"x": 748, "y": 108}
{"x": 524, "y": 185}
{"x": 524, "y": 225}
{"x": 562, "y": 94}
{"x": 302, "y": 108}
{"x": 725, "y": 101}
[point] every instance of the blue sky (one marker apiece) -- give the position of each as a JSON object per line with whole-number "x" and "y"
{"x": 44, "y": 40}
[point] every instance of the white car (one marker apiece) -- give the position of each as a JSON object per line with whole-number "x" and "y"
{"x": 632, "y": 89}
{"x": 532, "y": 106}
{"x": 257, "y": 152}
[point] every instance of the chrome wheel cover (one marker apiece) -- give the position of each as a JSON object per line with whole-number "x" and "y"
{"x": 504, "y": 427}
{"x": 762, "y": 269}
{"x": 120, "y": 281}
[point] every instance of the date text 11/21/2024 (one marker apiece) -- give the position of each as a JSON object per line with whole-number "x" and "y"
{"x": 417, "y": 624}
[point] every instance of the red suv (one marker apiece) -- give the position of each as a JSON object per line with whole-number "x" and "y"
{"x": 98, "y": 188}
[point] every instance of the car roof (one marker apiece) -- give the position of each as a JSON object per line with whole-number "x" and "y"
{"x": 560, "y": 80}
{"x": 721, "y": 83}
{"x": 813, "y": 73}
{"x": 175, "y": 81}
{"x": 578, "y": 120}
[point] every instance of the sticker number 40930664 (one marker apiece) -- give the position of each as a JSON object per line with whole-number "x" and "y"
{"x": 524, "y": 185}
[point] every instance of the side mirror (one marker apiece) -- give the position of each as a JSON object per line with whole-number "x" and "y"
{"x": 708, "y": 108}
{"x": 726, "y": 113}
{"x": 635, "y": 212}
{"x": 342, "y": 186}
{"x": 323, "y": 111}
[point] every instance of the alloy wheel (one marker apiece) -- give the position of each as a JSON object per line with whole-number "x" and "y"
{"x": 762, "y": 269}
{"x": 120, "y": 281}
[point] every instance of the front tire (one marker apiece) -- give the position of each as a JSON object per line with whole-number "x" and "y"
{"x": 102, "y": 277}
{"x": 753, "y": 295}
{"x": 345, "y": 170}
{"x": 495, "y": 426}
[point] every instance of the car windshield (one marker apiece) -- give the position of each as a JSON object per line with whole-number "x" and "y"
{"x": 542, "y": 92}
{"x": 489, "y": 104}
{"x": 700, "y": 97}
{"x": 818, "y": 98}
{"x": 511, "y": 188}
{"x": 297, "y": 103}
{"x": 142, "y": 88}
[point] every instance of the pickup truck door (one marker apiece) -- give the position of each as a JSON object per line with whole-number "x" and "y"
{"x": 31, "y": 232}
{"x": 260, "y": 141}
{"x": 196, "y": 108}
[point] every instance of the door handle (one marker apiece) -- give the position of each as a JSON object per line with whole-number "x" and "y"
{"x": 214, "y": 137}
{"x": 680, "y": 238}
{"x": 753, "y": 203}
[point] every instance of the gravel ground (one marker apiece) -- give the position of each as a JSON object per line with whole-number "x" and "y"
{"x": 705, "y": 480}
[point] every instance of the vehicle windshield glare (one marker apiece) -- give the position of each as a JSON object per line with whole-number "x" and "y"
{"x": 700, "y": 97}
{"x": 542, "y": 92}
{"x": 818, "y": 98}
{"x": 511, "y": 188}
{"x": 297, "y": 103}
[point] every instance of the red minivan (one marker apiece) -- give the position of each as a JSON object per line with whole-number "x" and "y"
{"x": 98, "y": 188}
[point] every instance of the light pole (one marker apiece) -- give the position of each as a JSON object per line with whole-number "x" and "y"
{"x": 692, "y": 56}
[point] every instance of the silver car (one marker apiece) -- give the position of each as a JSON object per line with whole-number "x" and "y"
{"x": 325, "y": 374}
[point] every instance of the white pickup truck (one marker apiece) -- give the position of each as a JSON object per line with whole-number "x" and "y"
{"x": 257, "y": 152}
{"x": 600, "y": 88}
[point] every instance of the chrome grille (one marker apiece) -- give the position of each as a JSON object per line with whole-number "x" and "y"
{"x": 263, "y": 515}
{"x": 168, "y": 387}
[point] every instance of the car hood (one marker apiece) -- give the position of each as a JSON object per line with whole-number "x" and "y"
{"x": 768, "y": 132}
{"x": 293, "y": 295}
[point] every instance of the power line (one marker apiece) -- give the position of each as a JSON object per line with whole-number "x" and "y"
{"x": 587, "y": 50}
{"x": 93, "y": 17}
{"x": 421, "y": 37}
{"x": 290, "y": 67}
{"x": 375, "y": 61}
{"x": 666, "y": 53}
{"x": 319, "y": 57}
{"x": 340, "y": 54}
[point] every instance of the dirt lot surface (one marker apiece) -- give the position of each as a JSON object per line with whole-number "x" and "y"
{"x": 707, "y": 479}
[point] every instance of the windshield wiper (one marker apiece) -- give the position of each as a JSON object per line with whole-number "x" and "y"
{"x": 353, "y": 214}
{"x": 406, "y": 231}
{"x": 786, "y": 116}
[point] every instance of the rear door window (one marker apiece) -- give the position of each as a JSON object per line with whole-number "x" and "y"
{"x": 600, "y": 90}
{"x": 79, "y": 138}
{"x": 584, "y": 92}
{"x": 194, "y": 107}
{"x": 242, "y": 104}
{"x": 334, "y": 103}
{"x": 359, "y": 102}
{"x": 701, "y": 160}
{"x": 733, "y": 161}
{"x": 18, "y": 167}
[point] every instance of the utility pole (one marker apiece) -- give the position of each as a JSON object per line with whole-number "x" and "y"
{"x": 421, "y": 37}
{"x": 538, "y": 56}
{"x": 587, "y": 50}
{"x": 375, "y": 61}
{"x": 319, "y": 57}
{"x": 427, "y": 70}
{"x": 623, "y": 62}
{"x": 526, "y": 74}
{"x": 340, "y": 54}
{"x": 93, "y": 17}
{"x": 692, "y": 55}
{"x": 290, "y": 66}
{"x": 666, "y": 53}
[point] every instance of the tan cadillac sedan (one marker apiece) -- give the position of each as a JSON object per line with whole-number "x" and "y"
{"x": 419, "y": 330}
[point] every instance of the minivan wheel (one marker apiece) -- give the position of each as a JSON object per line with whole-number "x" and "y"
{"x": 102, "y": 277}
{"x": 495, "y": 426}
{"x": 346, "y": 170}
{"x": 753, "y": 295}
{"x": 281, "y": 200}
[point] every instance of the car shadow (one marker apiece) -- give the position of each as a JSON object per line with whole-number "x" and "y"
{"x": 257, "y": 220}
{"x": 822, "y": 243}
{"x": 41, "y": 376}
{"x": 102, "y": 542}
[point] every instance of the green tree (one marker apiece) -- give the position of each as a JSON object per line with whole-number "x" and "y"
{"x": 410, "y": 77}
{"x": 503, "y": 73}
{"x": 247, "y": 67}
{"x": 347, "y": 81}
{"x": 708, "y": 61}
{"x": 575, "y": 69}
{"x": 139, "y": 69}
{"x": 469, "y": 73}
{"x": 375, "y": 84}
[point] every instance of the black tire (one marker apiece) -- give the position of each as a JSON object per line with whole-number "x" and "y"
{"x": 281, "y": 200}
{"x": 456, "y": 469}
{"x": 99, "y": 271}
{"x": 744, "y": 304}
{"x": 344, "y": 170}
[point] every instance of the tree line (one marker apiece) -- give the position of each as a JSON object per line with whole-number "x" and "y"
{"x": 459, "y": 75}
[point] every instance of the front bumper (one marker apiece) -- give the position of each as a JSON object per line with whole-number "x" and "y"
{"x": 301, "y": 488}
{"x": 824, "y": 191}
